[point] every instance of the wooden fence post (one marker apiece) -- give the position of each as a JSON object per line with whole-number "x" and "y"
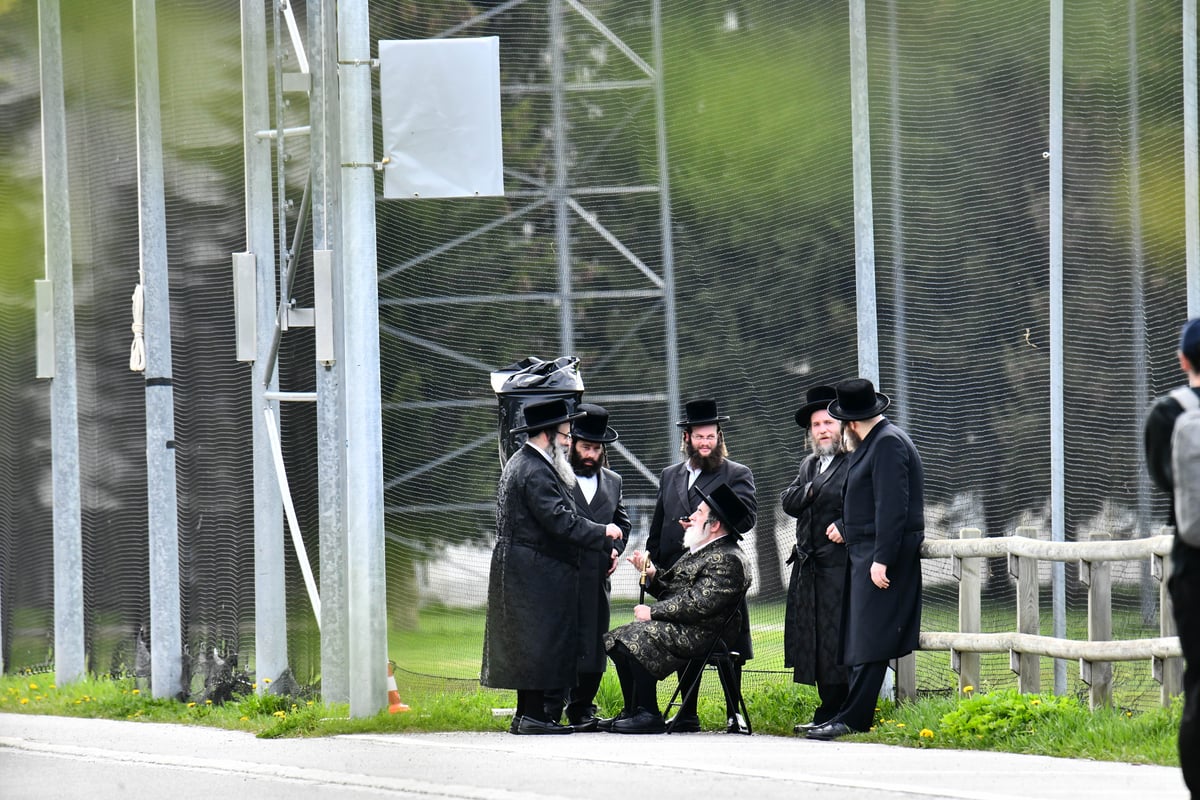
{"x": 1025, "y": 570}
{"x": 1168, "y": 672}
{"x": 969, "y": 615}
{"x": 1097, "y": 576}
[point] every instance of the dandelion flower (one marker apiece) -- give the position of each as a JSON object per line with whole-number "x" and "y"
{"x": 191, "y": 705}
{"x": 1129, "y": 713}
{"x": 245, "y": 719}
{"x": 137, "y": 691}
{"x": 266, "y": 680}
{"x": 900, "y": 725}
{"x": 968, "y": 689}
{"x": 208, "y": 702}
{"x": 24, "y": 701}
{"x": 926, "y": 733}
{"x": 281, "y": 714}
{"x": 52, "y": 686}
{"x": 254, "y": 686}
{"x": 33, "y": 685}
{"x": 1035, "y": 702}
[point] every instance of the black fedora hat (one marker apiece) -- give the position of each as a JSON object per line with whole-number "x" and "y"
{"x": 816, "y": 399}
{"x": 857, "y": 399}
{"x": 724, "y": 503}
{"x": 701, "y": 412}
{"x": 545, "y": 414}
{"x": 594, "y": 426}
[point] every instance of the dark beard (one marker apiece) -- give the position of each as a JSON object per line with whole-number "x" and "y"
{"x": 707, "y": 463}
{"x": 582, "y": 469}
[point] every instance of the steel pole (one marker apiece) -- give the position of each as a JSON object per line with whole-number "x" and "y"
{"x": 1057, "y": 356}
{"x": 864, "y": 235}
{"x": 364, "y": 426}
{"x": 69, "y": 647}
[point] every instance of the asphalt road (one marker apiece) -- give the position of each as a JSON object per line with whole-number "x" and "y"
{"x": 44, "y": 757}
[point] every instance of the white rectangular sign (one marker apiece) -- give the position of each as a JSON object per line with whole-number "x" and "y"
{"x": 440, "y": 103}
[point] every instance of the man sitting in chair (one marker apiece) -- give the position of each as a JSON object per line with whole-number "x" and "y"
{"x": 695, "y": 598}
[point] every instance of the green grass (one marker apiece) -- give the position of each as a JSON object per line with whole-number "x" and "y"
{"x": 1003, "y": 720}
{"x": 438, "y": 668}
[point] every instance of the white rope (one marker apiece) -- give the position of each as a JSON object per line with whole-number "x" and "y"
{"x": 137, "y": 351}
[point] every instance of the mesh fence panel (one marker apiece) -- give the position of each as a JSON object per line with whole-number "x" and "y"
{"x": 760, "y": 260}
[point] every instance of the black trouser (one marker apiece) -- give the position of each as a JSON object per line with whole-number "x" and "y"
{"x": 639, "y": 689}
{"x": 579, "y": 702}
{"x": 862, "y": 696}
{"x": 833, "y": 697}
{"x": 1184, "y": 586}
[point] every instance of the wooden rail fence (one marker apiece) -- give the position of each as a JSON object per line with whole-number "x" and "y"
{"x": 1025, "y": 646}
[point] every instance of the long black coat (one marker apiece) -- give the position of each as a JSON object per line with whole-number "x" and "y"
{"x": 531, "y": 636}
{"x": 883, "y": 512}
{"x": 694, "y": 598}
{"x": 813, "y": 620}
{"x": 594, "y": 611}
{"x": 676, "y": 499}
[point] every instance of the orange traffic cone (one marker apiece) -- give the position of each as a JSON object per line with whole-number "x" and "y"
{"x": 394, "y": 704}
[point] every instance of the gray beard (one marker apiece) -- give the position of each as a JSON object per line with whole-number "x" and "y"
{"x": 831, "y": 449}
{"x": 562, "y": 466}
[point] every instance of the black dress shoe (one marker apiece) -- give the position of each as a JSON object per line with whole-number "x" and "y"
{"x": 805, "y": 727}
{"x": 586, "y": 725}
{"x": 642, "y": 722}
{"x": 516, "y": 720}
{"x": 829, "y": 731}
{"x": 737, "y": 724}
{"x": 684, "y": 723}
{"x": 605, "y": 723}
{"x": 528, "y": 726}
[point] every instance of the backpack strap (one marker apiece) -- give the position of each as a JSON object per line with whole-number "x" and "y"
{"x": 1186, "y": 398}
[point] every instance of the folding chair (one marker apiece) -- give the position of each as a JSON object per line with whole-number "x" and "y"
{"x": 725, "y": 661}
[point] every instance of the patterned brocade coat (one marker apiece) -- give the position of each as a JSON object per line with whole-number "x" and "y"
{"x": 694, "y": 598}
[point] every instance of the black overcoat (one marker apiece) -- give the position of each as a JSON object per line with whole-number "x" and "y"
{"x": 813, "y": 619}
{"x": 883, "y": 512}
{"x": 594, "y": 587}
{"x": 531, "y": 634}
{"x": 676, "y": 499}
{"x": 694, "y": 598}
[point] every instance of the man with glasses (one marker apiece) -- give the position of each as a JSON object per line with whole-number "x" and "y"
{"x": 532, "y": 628}
{"x": 706, "y": 465}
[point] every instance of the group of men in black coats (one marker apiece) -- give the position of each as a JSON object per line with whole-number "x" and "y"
{"x": 854, "y": 597}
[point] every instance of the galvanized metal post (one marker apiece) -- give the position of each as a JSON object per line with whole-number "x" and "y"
{"x": 364, "y": 426}
{"x": 331, "y": 464}
{"x": 668, "y": 241}
{"x": 1191, "y": 160}
{"x": 900, "y": 305}
{"x": 166, "y": 636}
{"x": 1140, "y": 356}
{"x": 1057, "y": 356}
{"x": 270, "y": 618}
{"x": 561, "y": 191}
{"x": 864, "y": 222}
{"x": 69, "y": 658}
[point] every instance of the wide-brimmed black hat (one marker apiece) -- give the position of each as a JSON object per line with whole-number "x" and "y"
{"x": 594, "y": 426}
{"x": 857, "y": 399}
{"x": 724, "y": 503}
{"x": 701, "y": 412}
{"x": 546, "y": 414}
{"x": 816, "y": 399}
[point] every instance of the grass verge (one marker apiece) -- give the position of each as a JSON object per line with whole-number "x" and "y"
{"x": 1001, "y": 720}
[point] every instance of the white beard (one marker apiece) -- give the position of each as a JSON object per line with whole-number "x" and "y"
{"x": 563, "y": 466}
{"x": 694, "y": 535}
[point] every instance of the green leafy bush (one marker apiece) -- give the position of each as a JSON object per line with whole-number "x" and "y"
{"x": 987, "y": 719}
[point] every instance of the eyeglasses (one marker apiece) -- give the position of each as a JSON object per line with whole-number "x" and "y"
{"x": 562, "y": 435}
{"x": 712, "y": 437}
